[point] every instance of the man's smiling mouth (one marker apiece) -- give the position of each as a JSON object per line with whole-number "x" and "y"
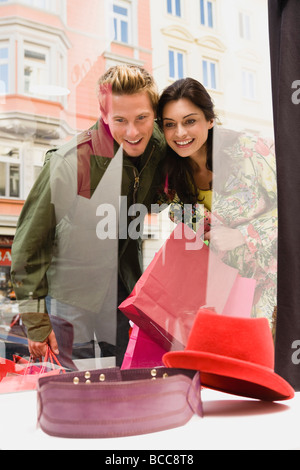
{"x": 133, "y": 142}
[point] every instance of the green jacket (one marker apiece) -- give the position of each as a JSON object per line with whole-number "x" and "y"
{"x": 56, "y": 248}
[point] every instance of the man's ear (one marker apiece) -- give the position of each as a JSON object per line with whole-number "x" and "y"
{"x": 103, "y": 114}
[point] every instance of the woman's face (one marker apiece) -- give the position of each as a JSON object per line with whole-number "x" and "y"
{"x": 185, "y": 127}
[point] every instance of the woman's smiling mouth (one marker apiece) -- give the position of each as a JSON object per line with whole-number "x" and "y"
{"x": 184, "y": 143}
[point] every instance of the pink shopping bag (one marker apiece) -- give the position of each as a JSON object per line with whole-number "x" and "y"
{"x": 179, "y": 281}
{"x": 142, "y": 351}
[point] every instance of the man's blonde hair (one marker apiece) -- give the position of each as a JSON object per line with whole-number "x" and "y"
{"x": 127, "y": 80}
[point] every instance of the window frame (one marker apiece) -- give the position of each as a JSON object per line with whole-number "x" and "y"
{"x": 176, "y": 53}
{"x": 57, "y": 60}
{"x": 174, "y": 8}
{"x": 38, "y": 49}
{"x": 204, "y": 13}
{"x": 245, "y": 25}
{"x": 9, "y": 162}
{"x": 51, "y": 6}
{"x": 5, "y": 61}
{"x": 207, "y": 81}
{"x": 246, "y": 88}
{"x": 17, "y": 39}
{"x": 117, "y": 21}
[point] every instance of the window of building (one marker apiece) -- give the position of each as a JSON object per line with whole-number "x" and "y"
{"x": 4, "y": 69}
{"x": 248, "y": 84}
{"x": 49, "y": 5}
{"x": 121, "y": 22}
{"x": 43, "y": 4}
{"x": 207, "y": 13}
{"x": 174, "y": 7}
{"x": 176, "y": 64}
{"x": 36, "y": 67}
{"x": 9, "y": 173}
{"x": 209, "y": 74}
{"x": 41, "y": 69}
{"x": 244, "y": 25}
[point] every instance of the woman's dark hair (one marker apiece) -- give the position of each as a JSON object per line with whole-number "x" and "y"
{"x": 179, "y": 170}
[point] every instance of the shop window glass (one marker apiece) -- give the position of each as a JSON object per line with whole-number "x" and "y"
{"x": 72, "y": 51}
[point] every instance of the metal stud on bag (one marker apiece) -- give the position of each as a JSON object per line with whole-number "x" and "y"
{"x": 87, "y": 376}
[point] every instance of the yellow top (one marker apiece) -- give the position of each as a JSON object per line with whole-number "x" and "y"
{"x": 205, "y": 197}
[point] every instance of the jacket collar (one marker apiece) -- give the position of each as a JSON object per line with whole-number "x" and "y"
{"x": 103, "y": 143}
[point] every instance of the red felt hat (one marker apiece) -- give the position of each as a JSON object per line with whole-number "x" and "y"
{"x": 234, "y": 355}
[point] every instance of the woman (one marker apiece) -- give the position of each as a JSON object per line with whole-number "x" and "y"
{"x": 226, "y": 179}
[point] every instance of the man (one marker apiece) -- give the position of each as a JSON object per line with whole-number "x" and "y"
{"x": 61, "y": 250}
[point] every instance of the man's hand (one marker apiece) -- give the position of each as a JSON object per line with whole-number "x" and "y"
{"x": 38, "y": 350}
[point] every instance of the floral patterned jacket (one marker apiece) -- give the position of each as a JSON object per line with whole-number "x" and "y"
{"x": 244, "y": 198}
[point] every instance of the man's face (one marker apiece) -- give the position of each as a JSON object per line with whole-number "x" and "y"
{"x": 131, "y": 120}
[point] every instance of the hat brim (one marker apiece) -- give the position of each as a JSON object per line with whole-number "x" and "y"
{"x": 232, "y": 375}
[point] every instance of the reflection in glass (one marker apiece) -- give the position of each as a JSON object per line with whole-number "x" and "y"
{"x": 70, "y": 52}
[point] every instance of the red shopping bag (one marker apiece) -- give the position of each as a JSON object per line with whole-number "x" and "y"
{"x": 142, "y": 351}
{"x": 23, "y": 375}
{"x": 180, "y": 280}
